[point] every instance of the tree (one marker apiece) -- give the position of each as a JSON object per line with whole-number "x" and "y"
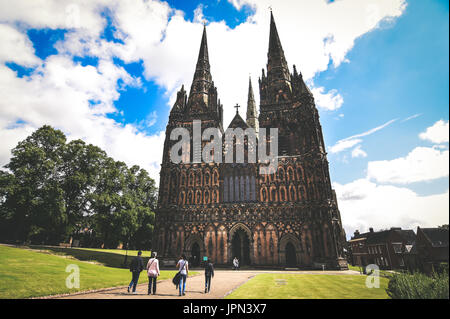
{"x": 81, "y": 166}
{"x": 56, "y": 190}
{"x": 36, "y": 199}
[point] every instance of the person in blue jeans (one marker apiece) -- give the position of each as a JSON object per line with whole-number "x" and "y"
{"x": 183, "y": 268}
{"x": 136, "y": 266}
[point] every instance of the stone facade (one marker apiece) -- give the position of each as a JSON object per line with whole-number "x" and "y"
{"x": 287, "y": 218}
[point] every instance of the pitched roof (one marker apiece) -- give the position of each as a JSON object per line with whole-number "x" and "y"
{"x": 238, "y": 122}
{"x": 437, "y": 236}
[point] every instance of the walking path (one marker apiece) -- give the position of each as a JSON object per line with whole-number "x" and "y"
{"x": 223, "y": 283}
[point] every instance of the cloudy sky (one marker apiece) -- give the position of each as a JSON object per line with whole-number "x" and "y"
{"x": 108, "y": 71}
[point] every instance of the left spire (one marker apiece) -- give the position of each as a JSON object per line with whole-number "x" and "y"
{"x": 202, "y": 76}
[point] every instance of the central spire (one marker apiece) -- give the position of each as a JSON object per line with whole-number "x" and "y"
{"x": 252, "y": 116}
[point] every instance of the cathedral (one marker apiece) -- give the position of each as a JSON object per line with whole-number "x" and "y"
{"x": 287, "y": 217}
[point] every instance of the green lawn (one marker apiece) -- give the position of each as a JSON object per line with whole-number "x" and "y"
{"x": 25, "y": 273}
{"x": 302, "y": 286}
{"x": 106, "y": 257}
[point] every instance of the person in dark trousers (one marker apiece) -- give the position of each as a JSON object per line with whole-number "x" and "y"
{"x": 153, "y": 273}
{"x": 209, "y": 273}
{"x": 136, "y": 266}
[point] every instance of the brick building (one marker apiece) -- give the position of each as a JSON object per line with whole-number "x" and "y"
{"x": 386, "y": 248}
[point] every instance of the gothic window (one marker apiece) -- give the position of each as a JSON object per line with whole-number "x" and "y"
{"x": 183, "y": 179}
{"x": 281, "y": 173}
{"x": 292, "y": 193}
{"x": 198, "y": 179}
{"x": 236, "y": 188}
{"x": 225, "y": 189}
{"x": 282, "y": 194}
{"x": 198, "y": 197}
{"x": 273, "y": 194}
{"x": 182, "y": 198}
{"x": 300, "y": 174}
{"x": 191, "y": 179}
{"x": 190, "y": 197}
{"x": 242, "y": 190}
{"x": 231, "y": 194}
{"x": 207, "y": 179}
{"x": 206, "y": 197}
{"x": 247, "y": 188}
{"x": 264, "y": 194}
{"x": 215, "y": 177}
{"x": 252, "y": 190}
{"x": 215, "y": 196}
{"x": 290, "y": 173}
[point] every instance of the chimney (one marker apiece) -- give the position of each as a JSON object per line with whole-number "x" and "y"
{"x": 356, "y": 233}
{"x": 371, "y": 229}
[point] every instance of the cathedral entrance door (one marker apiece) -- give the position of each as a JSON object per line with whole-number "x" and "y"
{"x": 291, "y": 258}
{"x": 241, "y": 247}
{"x": 195, "y": 253}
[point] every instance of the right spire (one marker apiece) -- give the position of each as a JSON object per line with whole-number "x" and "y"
{"x": 277, "y": 67}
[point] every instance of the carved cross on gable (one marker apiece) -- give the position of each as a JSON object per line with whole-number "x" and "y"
{"x": 237, "y": 106}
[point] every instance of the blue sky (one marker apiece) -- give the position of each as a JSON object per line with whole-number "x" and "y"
{"x": 111, "y": 78}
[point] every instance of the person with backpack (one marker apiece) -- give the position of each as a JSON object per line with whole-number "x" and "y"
{"x": 209, "y": 273}
{"x": 183, "y": 270}
{"x": 153, "y": 273}
{"x": 136, "y": 266}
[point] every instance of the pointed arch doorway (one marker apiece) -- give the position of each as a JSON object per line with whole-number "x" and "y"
{"x": 240, "y": 247}
{"x": 291, "y": 257}
{"x": 195, "y": 253}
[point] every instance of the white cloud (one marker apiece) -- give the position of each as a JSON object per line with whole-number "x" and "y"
{"x": 331, "y": 100}
{"x": 365, "y": 204}
{"x": 351, "y": 141}
{"x": 358, "y": 152}
{"x": 343, "y": 145}
{"x": 16, "y": 47}
{"x": 60, "y": 92}
{"x": 438, "y": 133}
{"x": 421, "y": 164}
{"x": 411, "y": 117}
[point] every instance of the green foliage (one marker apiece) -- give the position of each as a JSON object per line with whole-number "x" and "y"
{"x": 57, "y": 190}
{"x": 419, "y": 286}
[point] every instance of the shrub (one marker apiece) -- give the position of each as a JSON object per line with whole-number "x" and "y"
{"x": 418, "y": 286}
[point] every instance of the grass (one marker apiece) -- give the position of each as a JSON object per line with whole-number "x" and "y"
{"x": 304, "y": 286}
{"x": 26, "y": 273}
{"x": 106, "y": 257}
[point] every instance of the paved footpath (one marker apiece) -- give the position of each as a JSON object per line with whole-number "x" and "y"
{"x": 223, "y": 283}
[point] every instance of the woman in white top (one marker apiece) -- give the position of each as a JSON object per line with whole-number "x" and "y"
{"x": 183, "y": 268}
{"x": 153, "y": 273}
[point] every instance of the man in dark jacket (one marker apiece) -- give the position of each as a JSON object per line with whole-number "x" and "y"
{"x": 136, "y": 266}
{"x": 209, "y": 273}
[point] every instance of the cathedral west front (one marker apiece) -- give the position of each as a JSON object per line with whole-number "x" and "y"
{"x": 282, "y": 217}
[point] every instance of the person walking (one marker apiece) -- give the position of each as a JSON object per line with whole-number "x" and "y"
{"x": 136, "y": 266}
{"x": 235, "y": 263}
{"x": 209, "y": 273}
{"x": 153, "y": 273}
{"x": 183, "y": 268}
